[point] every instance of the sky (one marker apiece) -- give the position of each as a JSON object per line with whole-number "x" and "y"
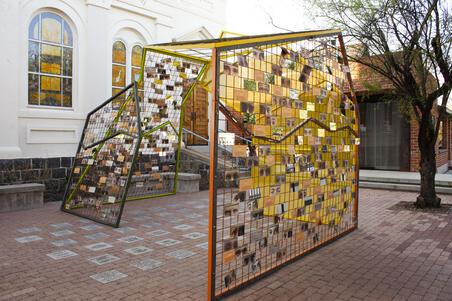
{"x": 252, "y": 16}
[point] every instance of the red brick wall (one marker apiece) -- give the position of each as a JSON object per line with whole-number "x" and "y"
{"x": 442, "y": 155}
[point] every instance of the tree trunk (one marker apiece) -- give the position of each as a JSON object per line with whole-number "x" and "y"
{"x": 427, "y": 164}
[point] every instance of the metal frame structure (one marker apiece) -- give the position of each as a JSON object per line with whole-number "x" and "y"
{"x": 132, "y": 94}
{"x": 218, "y": 47}
{"x": 213, "y": 54}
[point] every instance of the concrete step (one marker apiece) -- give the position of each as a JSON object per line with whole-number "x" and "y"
{"x": 205, "y": 157}
{"x": 397, "y": 177}
{"x": 401, "y": 187}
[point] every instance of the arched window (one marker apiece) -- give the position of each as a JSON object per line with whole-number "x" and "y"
{"x": 50, "y": 55}
{"x": 118, "y": 69}
{"x": 125, "y": 68}
{"x": 136, "y": 62}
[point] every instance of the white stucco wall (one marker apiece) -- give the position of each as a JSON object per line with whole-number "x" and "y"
{"x": 29, "y": 132}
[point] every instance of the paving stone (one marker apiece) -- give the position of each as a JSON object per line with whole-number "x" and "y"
{"x": 147, "y": 264}
{"x": 85, "y": 221}
{"x": 103, "y": 259}
{"x": 151, "y": 225}
{"x": 26, "y": 239}
{"x": 108, "y": 276}
{"x": 138, "y": 250}
{"x": 194, "y": 235}
{"x": 124, "y": 230}
{"x": 204, "y": 245}
{"x": 194, "y": 215}
{"x": 158, "y": 233}
{"x": 64, "y": 242}
{"x": 29, "y": 230}
{"x": 164, "y": 214}
{"x": 62, "y": 233}
{"x": 96, "y": 236}
{"x": 181, "y": 254}
{"x": 183, "y": 227}
{"x": 130, "y": 239}
{"x": 60, "y": 254}
{"x": 91, "y": 227}
{"x": 61, "y": 225}
{"x": 168, "y": 242}
{"x": 98, "y": 246}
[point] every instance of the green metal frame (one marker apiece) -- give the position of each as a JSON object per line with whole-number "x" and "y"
{"x": 110, "y": 134}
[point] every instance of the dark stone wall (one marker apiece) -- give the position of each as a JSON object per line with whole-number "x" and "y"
{"x": 52, "y": 172}
{"x": 192, "y": 164}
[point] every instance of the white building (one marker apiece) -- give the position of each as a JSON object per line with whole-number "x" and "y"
{"x": 56, "y": 61}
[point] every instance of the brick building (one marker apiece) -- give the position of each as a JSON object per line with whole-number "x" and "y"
{"x": 388, "y": 139}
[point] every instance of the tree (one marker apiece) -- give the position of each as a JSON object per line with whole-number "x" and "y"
{"x": 409, "y": 43}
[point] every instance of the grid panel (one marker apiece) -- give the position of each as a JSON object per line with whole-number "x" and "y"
{"x": 99, "y": 179}
{"x": 130, "y": 144}
{"x": 167, "y": 80}
{"x": 293, "y": 186}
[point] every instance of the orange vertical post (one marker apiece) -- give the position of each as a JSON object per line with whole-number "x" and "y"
{"x": 355, "y": 101}
{"x": 212, "y": 170}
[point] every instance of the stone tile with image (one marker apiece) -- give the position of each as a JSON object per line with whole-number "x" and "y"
{"x": 61, "y": 225}
{"x": 29, "y": 230}
{"x": 138, "y": 250}
{"x": 130, "y": 239}
{"x": 26, "y": 239}
{"x": 147, "y": 264}
{"x": 183, "y": 227}
{"x": 85, "y": 221}
{"x": 175, "y": 220}
{"x": 60, "y": 254}
{"x": 91, "y": 227}
{"x": 168, "y": 242}
{"x": 204, "y": 245}
{"x": 124, "y": 230}
{"x": 194, "y": 235}
{"x": 64, "y": 242}
{"x": 103, "y": 259}
{"x": 151, "y": 225}
{"x": 181, "y": 254}
{"x": 98, "y": 246}
{"x": 157, "y": 233}
{"x": 61, "y": 233}
{"x": 203, "y": 222}
{"x": 96, "y": 236}
{"x": 164, "y": 214}
{"x": 108, "y": 276}
{"x": 193, "y": 215}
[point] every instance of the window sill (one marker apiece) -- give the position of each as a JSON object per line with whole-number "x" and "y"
{"x": 33, "y": 112}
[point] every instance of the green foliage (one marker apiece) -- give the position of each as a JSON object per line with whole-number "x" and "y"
{"x": 249, "y": 118}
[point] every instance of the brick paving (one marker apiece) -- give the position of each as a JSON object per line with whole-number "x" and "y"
{"x": 159, "y": 253}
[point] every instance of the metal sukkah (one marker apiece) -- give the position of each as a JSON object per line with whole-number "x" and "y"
{"x": 288, "y": 181}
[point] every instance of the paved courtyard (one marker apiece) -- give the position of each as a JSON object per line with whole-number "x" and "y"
{"x": 159, "y": 253}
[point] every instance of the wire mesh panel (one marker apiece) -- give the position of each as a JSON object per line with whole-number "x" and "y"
{"x": 294, "y": 186}
{"x": 130, "y": 144}
{"x": 98, "y": 183}
{"x": 167, "y": 81}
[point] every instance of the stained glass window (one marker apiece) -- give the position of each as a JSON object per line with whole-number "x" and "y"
{"x": 118, "y": 69}
{"x": 50, "y": 56}
{"x": 125, "y": 67}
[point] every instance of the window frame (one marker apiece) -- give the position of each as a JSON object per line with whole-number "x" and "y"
{"x": 118, "y": 64}
{"x": 64, "y": 21}
{"x": 129, "y": 67}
